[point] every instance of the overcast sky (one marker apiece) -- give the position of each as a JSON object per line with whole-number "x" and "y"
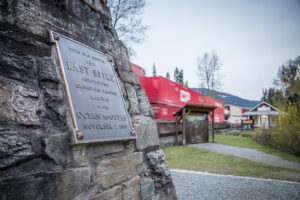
{"x": 253, "y": 38}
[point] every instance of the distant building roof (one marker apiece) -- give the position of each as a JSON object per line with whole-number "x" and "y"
{"x": 253, "y": 113}
{"x": 263, "y": 108}
{"x": 263, "y": 102}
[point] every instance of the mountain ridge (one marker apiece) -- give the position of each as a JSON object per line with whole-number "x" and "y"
{"x": 229, "y": 99}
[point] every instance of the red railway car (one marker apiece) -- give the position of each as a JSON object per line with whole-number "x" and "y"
{"x": 167, "y": 97}
{"x": 162, "y": 90}
{"x": 164, "y": 111}
{"x": 214, "y": 102}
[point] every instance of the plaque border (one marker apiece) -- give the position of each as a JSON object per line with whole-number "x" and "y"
{"x": 53, "y": 34}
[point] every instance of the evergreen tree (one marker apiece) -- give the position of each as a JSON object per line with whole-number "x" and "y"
{"x": 180, "y": 77}
{"x": 273, "y": 96}
{"x": 186, "y": 84}
{"x": 168, "y": 76}
{"x": 176, "y": 73}
{"x": 154, "y": 69}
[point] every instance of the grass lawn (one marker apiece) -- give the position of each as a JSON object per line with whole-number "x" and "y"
{"x": 189, "y": 158}
{"x": 248, "y": 142}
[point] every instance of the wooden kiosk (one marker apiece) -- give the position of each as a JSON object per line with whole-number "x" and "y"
{"x": 195, "y": 126}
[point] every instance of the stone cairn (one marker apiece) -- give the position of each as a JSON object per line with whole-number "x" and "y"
{"x": 37, "y": 158}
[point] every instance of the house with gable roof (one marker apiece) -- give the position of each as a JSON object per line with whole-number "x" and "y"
{"x": 263, "y": 115}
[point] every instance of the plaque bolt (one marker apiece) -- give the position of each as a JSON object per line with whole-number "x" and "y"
{"x": 132, "y": 133}
{"x": 56, "y": 37}
{"x": 80, "y": 136}
{"x": 110, "y": 59}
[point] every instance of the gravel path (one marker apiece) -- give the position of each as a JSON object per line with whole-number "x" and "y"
{"x": 199, "y": 186}
{"x": 250, "y": 154}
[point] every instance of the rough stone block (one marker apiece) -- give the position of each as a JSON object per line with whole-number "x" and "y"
{"x": 73, "y": 182}
{"x": 116, "y": 170}
{"x": 115, "y": 193}
{"x": 18, "y": 103}
{"x": 105, "y": 148}
{"x": 146, "y": 132}
{"x": 57, "y": 147}
{"x": 159, "y": 168}
{"x": 81, "y": 153}
{"x": 66, "y": 185}
{"x": 128, "y": 190}
{"x": 15, "y": 64}
{"x": 128, "y": 77}
{"x": 121, "y": 58}
{"x": 26, "y": 106}
{"x": 97, "y": 6}
{"x": 132, "y": 189}
{"x": 144, "y": 104}
{"x": 133, "y": 100}
{"x": 31, "y": 20}
{"x": 14, "y": 147}
{"x": 147, "y": 188}
{"x": 34, "y": 166}
{"x": 47, "y": 69}
{"x": 169, "y": 193}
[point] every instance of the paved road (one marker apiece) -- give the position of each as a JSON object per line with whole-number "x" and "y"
{"x": 250, "y": 154}
{"x": 200, "y": 186}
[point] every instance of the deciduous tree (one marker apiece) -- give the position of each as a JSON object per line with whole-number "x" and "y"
{"x": 127, "y": 21}
{"x": 288, "y": 77}
{"x": 209, "y": 66}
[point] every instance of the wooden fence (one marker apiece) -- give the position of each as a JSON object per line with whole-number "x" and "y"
{"x": 167, "y": 128}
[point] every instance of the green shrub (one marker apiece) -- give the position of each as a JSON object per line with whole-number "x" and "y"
{"x": 285, "y": 135}
{"x": 262, "y": 136}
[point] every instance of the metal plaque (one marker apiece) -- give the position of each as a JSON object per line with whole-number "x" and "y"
{"x": 96, "y": 103}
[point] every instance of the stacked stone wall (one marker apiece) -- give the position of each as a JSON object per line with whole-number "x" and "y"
{"x": 37, "y": 157}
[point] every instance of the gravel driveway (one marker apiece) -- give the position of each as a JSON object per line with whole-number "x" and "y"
{"x": 199, "y": 186}
{"x": 250, "y": 154}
